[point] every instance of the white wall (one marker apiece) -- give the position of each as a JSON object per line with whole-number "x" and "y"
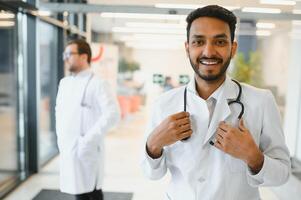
{"x": 292, "y": 125}
{"x": 275, "y": 60}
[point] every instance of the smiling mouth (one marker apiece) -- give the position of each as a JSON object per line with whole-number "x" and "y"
{"x": 210, "y": 61}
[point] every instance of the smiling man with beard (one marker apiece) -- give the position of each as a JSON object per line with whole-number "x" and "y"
{"x": 228, "y": 141}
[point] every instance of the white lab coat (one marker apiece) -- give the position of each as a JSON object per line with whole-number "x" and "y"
{"x": 82, "y": 155}
{"x": 200, "y": 171}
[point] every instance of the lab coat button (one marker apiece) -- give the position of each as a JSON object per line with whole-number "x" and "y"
{"x": 201, "y": 179}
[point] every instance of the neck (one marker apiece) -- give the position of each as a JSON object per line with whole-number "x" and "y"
{"x": 82, "y": 68}
{"x": 206, "y": 88}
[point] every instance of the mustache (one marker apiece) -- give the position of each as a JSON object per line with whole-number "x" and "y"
{"x": 209, "y": 58}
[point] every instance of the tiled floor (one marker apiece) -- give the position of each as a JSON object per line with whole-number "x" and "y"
{"x": 123, "y": 173}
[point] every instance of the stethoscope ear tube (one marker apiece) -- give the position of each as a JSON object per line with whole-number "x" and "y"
{"x": 185, "y": 100}
{"x": 237, "y": 100}
{"x": 83, "y": 104}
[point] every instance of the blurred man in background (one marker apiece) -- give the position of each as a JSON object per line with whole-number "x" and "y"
{"x": 85, "y": 110}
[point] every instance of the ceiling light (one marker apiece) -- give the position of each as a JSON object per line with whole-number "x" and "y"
{"x": 143, "y": 16}
{"x": 44, "y": 13}
{"x": 153, "y": 38}
{"x": 232, "y": 7}
{"x": 261, "y": 10}
{"x": 296, "y": 22}
{"x": 297, "y": 11}
{"x": 154, "y": 45}
{"x": 179, "y": 6}
{"x": 155, "y": 25}
{"x": 263, "y": 33}
{"x": 147, "y": 30}
{"x": 265, "y": 25}
{"x": 189, "y": 6}
{"x": 6, "y": 23}
{"x": 4, "y": 15}
{"x": 278, "y": 2}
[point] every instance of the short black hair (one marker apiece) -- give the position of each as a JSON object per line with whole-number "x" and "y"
{"x": 82, "y": 47}
{"x": 214, "y": 11}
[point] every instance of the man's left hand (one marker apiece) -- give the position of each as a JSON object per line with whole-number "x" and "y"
{"x": 239, "y": 143}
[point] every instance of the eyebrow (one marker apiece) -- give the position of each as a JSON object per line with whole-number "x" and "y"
{"x": 222, "y": 35}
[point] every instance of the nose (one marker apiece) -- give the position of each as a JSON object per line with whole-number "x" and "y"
{"x": 208, "y": 50}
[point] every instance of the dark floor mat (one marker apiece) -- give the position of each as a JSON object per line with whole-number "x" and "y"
{"x": 57, "y": 195}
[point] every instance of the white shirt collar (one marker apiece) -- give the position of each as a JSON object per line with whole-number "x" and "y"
{"x": 82, "y": 73}
{"x": 216, "y": 94}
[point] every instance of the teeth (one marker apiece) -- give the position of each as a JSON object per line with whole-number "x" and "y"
{"x": 209, "y": 62}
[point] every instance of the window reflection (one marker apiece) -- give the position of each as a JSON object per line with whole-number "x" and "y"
{"x": 8, "y": 96}
{"x": 47, "y": 73}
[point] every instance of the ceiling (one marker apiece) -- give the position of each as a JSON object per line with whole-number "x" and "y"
{"x": 125, "y": 29}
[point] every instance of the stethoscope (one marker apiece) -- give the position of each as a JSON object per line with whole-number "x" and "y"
{"x": 237, "y": 100}
{"x": 83, "y": 104}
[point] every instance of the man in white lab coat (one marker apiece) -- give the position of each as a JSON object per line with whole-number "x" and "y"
{"x": 85, "y": 110}
{"x": 212, "y": 153}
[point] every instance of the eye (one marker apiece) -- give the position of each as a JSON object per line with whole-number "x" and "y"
{"x": 198, "y": 42}
{"x": 221, "y": 43}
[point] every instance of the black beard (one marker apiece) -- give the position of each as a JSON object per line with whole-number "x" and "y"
{"x": 210, "y": 77}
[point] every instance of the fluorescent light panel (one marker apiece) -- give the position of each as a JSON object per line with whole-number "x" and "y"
{"x": 160, "y": 39}
{"x": 297, "y": 11}
{"x": 263, "y": 33}
{"x": 154, "y": 46}
{"x": 6, "y": 23}
{"x": 278, "y": 2}
{"x": 155, "y": 25}
{"x": 261, "y": 10}
{"x": 188, "y": 6}
{"x": 6, "y": 15}
{"x": 265, "y": 25}
{"x": 232, "y": 7}
{"x": 296, "y": 22}
{"x": 179, "y": 6}
{"x": 142, "y": 16}
{"x": 147, "y": 30}
{"x": 44, "y": 13}
{"x": 159, "y": 36}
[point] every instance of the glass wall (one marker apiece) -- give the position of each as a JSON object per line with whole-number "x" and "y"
{"x": 9, "y": 167}
{"x": 47, "y": 35}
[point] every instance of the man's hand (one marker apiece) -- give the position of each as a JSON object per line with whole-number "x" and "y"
{"x": 174, "y": 128}
{"x": 238, "y": 142}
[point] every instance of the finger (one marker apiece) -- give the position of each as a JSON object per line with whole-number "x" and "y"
{"x": 184, "y": 128}
{"x": 224, "y": 126}
{"x": 220, "y": 129}
{"x": 183, "y": 121}
{"x": 218, "y": 145}
{"x": 180, "y": 115}
{"x": 186, "y": 134}
{"x": 241, "y": 125}
{"x": 219, "y": 137}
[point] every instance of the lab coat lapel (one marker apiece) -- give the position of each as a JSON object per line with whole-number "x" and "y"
{"x": 222, "y": 109}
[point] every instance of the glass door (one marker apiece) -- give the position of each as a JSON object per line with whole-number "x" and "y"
{"x": 9, "y": 148}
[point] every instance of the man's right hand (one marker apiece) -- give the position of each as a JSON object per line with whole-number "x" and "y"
{"x": 174, "y": 128}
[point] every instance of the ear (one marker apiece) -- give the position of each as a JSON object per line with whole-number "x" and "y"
{"x": 233, "y": 49}
{"x": 84, "y": 57}
{"x": 187, "y": 48}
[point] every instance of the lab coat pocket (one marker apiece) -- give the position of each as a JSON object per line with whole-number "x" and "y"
{"x": 86, "y": 152}
{"x": 235, "y": 165}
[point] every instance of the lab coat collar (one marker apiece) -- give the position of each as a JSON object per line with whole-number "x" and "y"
{"x": 228, "y": 85}
{"x": 227, "y": 91}
{"x": 82, "y": 73}
{"x": 222, "y": 109}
